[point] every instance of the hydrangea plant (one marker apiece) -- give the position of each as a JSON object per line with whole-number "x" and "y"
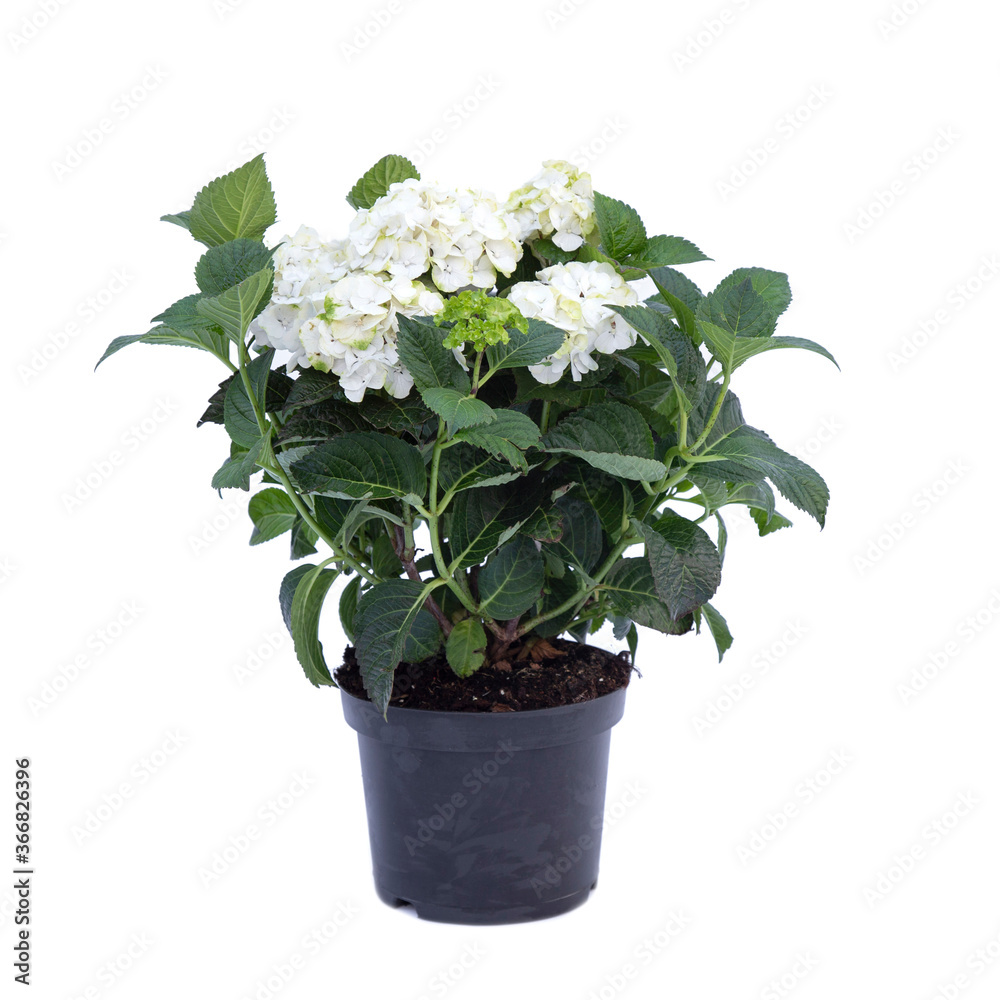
{"x": 493, "y": 437}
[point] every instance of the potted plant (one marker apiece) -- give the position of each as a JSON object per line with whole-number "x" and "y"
{"x": 499, "y": 447}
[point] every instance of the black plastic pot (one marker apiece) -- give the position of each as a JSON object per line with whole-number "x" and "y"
{"x": 485, "y": 818}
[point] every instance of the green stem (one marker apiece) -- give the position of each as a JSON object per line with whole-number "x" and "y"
{"x": 714, "y": 415}
{"x": 577, "y": 600}
{"x": 432, "y": 517}
{"x": 264, "y": 426}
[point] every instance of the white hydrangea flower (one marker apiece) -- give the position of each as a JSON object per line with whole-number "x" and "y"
{"x": 461, "y": 236}
{"x": 575, "y": 297}
{"x": 304, "y": 269}
{"x": 557, "y": 203}
{"x": 354, "y": 334}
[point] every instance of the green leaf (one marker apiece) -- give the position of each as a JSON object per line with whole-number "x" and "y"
{"x": 682, "y": 296}
{"x": 719, "y": 629}
{"x": 272, "y": 513}
{"x": 682, "y": 360}
{"x": 612, "y": 437}
{"x": 512, "y": 580}
{"x": 621, "y": 229}
{"x": 684, "y": 561}
{"x": 480, "y": 518}
{"x": 738, "y": 310}
{"x": 204, "y": 340}
{"x": 660, "y": 251}
{"x": 582, "y": 540}
{"x": 608, "y": 496}
{"x": 631, "y": 592}
{"x": 555, "y": 255}
{"x": 588, "y": 253}
{"x": 772, "y": 286}
{"x": 238, "y": 413}
{"x": 677, "y": 285}
{"x": 362, "y": 466}
{"x": 221, "y": 267}
{"x": 391, "y": 619}
{"x": 236, "y": 471}
{"x": 429, "y": 362}
{"x": 767, "y": 524}
{"x": 234, "y": 308}
{"x": 799, "y": 483}
{"x": 462, "y": 467}
{"x": 522, "y": 349}
{"x": 287, "y": 591}
{"x": 375, "y": 183}
{"x": 182, "y": 219}
{"x": 509, "y": 434}
{"x": 349, "y": 606}
{"x": 238, "y": 204}
{"x": 458, "y": 408}
{"x": 307, "y": 603}
{"x": 303, "y": 541}
{"x": 746, "y": 348}
{"x": 733, "y": 351}
{"x": 465, "y": 647}
{"x": 544, "y": 525}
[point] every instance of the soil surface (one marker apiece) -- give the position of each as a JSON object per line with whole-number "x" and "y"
{"x": 561, "y": 672}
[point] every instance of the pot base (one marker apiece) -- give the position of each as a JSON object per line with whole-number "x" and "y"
{"x": 460, "y": 915}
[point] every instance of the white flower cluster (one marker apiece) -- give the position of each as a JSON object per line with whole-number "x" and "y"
{"x": 335, "y": 304}
{"x": 558, "y": 204}
{"x": 574, "y": 297}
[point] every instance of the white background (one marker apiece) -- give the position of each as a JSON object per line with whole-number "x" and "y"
{"x": 828, "y": 624}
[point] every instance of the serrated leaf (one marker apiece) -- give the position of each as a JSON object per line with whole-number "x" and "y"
{"x": 521, "y": 350}
{"x": 512, "y": 580}
{"x": 719, "y": 629}
{"x": 235, "y": 308}
{"x": 661, "y": 251}
{"x": 681, "y": 295}
{"x": 465, "y": 647}
{"x": 272, "y": 513}
{"x": 221, "y": 267}
{"x": 685, "y": 563}
{"x": 507, "y": 437}
{"x": 236, "y": 471}
{"x": 307, "y": 604}
{"x": 798, "y": 482}
{"x": 457, "y": 408}
{"x": 682, "y": 360}
{"x": 205, "y": 340}
{"x": 238, "y": 204}
{"x": 771, "y": 285}
{"x": 738, "y": 311}
{"x": 462, "y": 467}
{"x": 632, "y": 593}
{"x": 429, "y": 362}
{"x": 363, "y": 465}
{"x": 479, "y": 520}
{"x": 767, "y": 524}
{"x": 238, "y": 412}
{"x": 621, "y": 229}
{"x": 375, "y": 182}
{"x": 391, "y": 618}
{"x": 609, "y": 436}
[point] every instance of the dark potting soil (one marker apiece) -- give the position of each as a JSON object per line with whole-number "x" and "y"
{"x": 561, "y": 672}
